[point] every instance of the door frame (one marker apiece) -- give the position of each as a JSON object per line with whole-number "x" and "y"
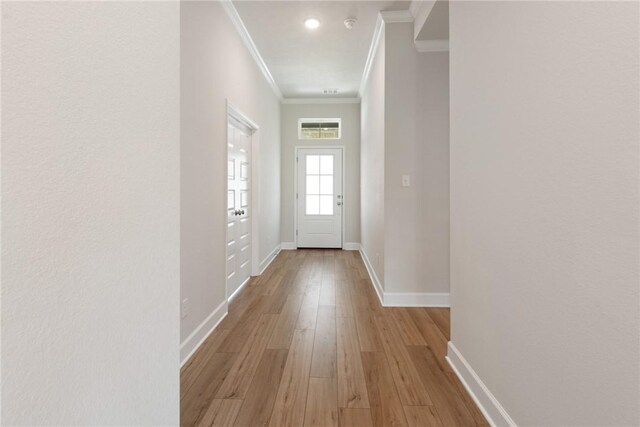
{"x": 254, "y": 188}
{"x": 343, "y": 150}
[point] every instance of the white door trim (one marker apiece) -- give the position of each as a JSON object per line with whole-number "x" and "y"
{"x": 254, "y": 188}
{"x": 295, "y": 187}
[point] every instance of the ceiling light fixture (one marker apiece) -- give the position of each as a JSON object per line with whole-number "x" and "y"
{"x": 311, "y": 23}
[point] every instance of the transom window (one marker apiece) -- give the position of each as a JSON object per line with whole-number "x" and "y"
{"x": 319, "y": 191}
{"x": 319, "y": 128}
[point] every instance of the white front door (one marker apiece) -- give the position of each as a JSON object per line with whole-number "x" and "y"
{"x": 319, "y": 197}
{"x": 238, "y": 207}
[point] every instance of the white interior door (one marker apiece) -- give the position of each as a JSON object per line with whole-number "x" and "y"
{"x": 320, "y": 198}
{"x": 238, "y": 207}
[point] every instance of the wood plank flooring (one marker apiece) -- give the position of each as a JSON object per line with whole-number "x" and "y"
{"x": 308, "y": 344}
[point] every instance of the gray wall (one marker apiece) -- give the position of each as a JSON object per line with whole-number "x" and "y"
{"x": 544, "y": 206}
{"x": 416, "y": 143}
{"x": 215, "y": 67}
{"x": 407, "y": 102}
{"x": 350, "y": 114}
{"x": 400, "y": 157}
{"x": 90, "y": 213}
{"x": 372, "y": 164}
{"x": 432, "y": 174}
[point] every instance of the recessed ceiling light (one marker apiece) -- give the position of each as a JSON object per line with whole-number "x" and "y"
{"x": 311, "y": 23}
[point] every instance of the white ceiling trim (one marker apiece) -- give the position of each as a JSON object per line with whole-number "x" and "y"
{"x": 394, "y": 16}
{"x": 377, "y": 34}
{"x": 420, "y": 12}
{"x": 432, "y": 45}
{"x": 321, "y": 101}
{"x": 414, "y": 7}
{"x": 248, "y": 42}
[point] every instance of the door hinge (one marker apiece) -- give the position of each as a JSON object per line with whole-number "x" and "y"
{"x": 296, "y": 232}
{"x": 296, "y": 159}
{"x": 296, "y": 196}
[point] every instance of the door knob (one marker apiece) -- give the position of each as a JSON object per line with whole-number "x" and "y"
{"x": 339, "y": 203}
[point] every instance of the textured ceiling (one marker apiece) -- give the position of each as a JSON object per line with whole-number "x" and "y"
{"x": 305, "y": 62}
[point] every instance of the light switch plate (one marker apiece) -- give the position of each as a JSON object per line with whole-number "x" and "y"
{"x": 406, "y": 180}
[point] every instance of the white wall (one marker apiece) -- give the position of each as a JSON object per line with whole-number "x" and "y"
{"x": 544, "y": 206}
{"x": 372, "y": 164}
{"x": 216, "y": 66}
{"x": 350, "y": 115}
{"x": 90, "y": 213}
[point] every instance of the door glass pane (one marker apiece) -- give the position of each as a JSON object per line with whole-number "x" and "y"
{"x": 313, "y": 184}
{"x": 313, "y": 165}
{"x": 319, "y": 192}
{"x": 326, "y": 165}
{"x": 326, "y": 205}
{"x": 313, "y": 205}
{"x": 326, "y": 184}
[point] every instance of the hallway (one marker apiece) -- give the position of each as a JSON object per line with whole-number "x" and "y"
{"x": 476, "y": 162}
{"x": 308, "y": 343}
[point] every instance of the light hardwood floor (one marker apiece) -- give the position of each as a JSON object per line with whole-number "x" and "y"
{"x": 308, "y": 344}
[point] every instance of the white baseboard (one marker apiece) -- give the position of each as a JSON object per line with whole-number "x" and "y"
{"x": 269, "y": 259}
{"x": 247, "y": 280}
{"x": 202, "y": 332}
{"x": 197, "y": 337}
{"x": 288, "y": 246}
{"x": 402, "y": 299}
{"x": 348, "y": 246}
{"x": 351, "y": 246}
{"x": 372, "y": 274}
{"x": 486, "y": 401}
{"x": 417, "y": 299}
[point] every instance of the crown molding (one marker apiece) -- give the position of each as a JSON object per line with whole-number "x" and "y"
{"x": 395, "y": 16}
{"x": 387, "y": 17}
{"x": 421, "y": 10}
{"x": 248, "y": 42}
{"x": 321, "y": 101}
{"x": 432, "y": 45}
{"x": 377, "y": 34}
{"x": 414, "y": 7}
